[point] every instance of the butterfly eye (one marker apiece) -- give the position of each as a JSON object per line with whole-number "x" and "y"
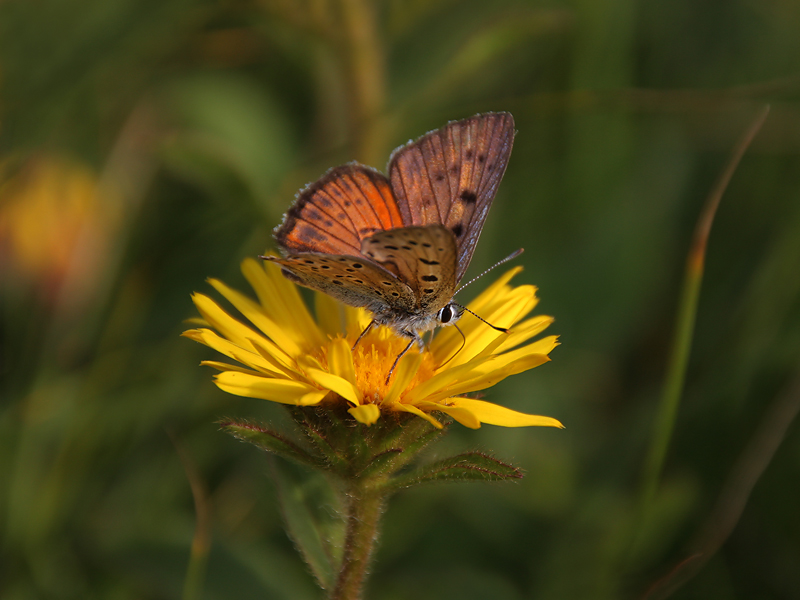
{"x": 446, "y": 314}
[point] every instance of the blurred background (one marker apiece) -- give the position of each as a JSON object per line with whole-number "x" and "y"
{"x": 146, "y": 145}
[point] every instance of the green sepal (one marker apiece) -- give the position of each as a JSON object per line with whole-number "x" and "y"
{"x": 381, "y": 463}
{"x": 471, "y": 466}
{"x": 270, "y": 441}
{"x": 428, "y": 435}
{"x": 334, "y": 461}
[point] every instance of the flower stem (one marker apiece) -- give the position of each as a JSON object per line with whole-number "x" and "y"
{"x": 364, "y": 509}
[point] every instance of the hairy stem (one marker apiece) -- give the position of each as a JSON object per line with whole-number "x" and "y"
{"x": 364, "y": 509}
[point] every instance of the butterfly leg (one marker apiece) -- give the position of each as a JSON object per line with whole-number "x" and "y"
{"x": 415, "y": 339}
{"x": 363, "y": 333}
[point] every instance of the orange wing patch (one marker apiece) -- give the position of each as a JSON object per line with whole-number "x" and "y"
{"x": 335, "y": 213}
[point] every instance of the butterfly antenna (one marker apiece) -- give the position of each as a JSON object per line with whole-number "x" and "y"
{"x": 495, "y": 327}
{"x": 511, "y": 256}
{"x": 463, "y": 343}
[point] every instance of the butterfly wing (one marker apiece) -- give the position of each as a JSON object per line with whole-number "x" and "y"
{"x": 354, "y": 281}
{"x": 450, "y": 177}
{"x": 333, "y": 215}
{"x": 422, "y": 257}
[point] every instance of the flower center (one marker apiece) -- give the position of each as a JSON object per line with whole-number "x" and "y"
{"x": 375, "y": 355}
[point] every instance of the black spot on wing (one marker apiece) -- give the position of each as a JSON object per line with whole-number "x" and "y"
{"x": 457, "y": 229}
{"x": 469, "y": 197}
{"x": 290, "y": 275}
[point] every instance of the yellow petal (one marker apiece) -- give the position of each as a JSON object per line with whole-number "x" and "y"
{"x": 482, "y": 372}
{"x": 403, "y": 374}
{"x": 277, "y": 390}
{"x": 330, "y": 314}
{"x": 356, "y": 321}
{"x": 487, "y": 375}
{"x": 366, "y": 413}
{"x": 442, "y": 380}
{"x": 494, "y": 414}
{"x": 246, "y": 356}
{"x": 197, "y": 321}
{"x": 279, "y": 360}
{"x": 225, "y": 324}
{"x": 337, "y": 384}
{"x": 255, "y": 314}
{"x": 340, "y": 360}
{"x": 464, "y": 416}
{"x": 542, "y": 346}
{"x": 503, "y": 310}
{"x": 415, "y": 411}
{"x": 524, "y": 331}
{"x": 221, "y": 366}
{"x": 282, "y": 302}
{"x": 495, "y": 292}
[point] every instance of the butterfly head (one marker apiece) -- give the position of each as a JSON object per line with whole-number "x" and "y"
{"x": 449, "y": 314}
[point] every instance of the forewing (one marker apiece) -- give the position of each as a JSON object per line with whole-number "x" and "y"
{"x": 335, "y": 213}
{"x": 422, "y": 257}
{"x": 450, "y": 177}
{"x": 354, "y": 281}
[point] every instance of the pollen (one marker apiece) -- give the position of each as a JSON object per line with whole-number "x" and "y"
{"x": 374, "y": 357}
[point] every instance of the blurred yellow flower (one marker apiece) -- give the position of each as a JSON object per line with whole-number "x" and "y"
{"x": 289, "y": 357}
{"x": 55, "y": 226}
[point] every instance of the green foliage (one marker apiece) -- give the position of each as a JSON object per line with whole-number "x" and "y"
{"x": 472, "y": 466}
{"x": 201, "y": 119}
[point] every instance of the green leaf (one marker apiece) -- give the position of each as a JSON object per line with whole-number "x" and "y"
{"x": 310, "y": 511}
{"x": 270, "y": 441}
{"x": 472, "y": 466}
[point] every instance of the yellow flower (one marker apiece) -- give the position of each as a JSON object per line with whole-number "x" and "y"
{"x": 58, "y": 221}
{"x": 286, "y": 356}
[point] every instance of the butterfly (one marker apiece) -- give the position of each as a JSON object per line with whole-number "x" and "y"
{"x": 399, "y": 246}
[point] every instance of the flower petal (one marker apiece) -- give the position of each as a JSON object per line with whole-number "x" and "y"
{"x": 356, "y": 321}
{"x": 403, "y": 374}
{"x": 275, "y": 390}
{"x": 340, "y": 360}
{"x": 281, "y": 301}
{"x": 401, "y": 406}
{"x": 329, "y": 313}
{"x": 487, "y": 375}
{"x": 366, "y": 413}
{"x": 494, "y": 414}
{"x": 337, "y": 384}
{"x": 220, "y": 320}
{"x": 280, "y": 361}
{"x": 503, "y": 310}
{"x": 496, "y": 291}
{"x": 522, "y": 332}
{"x": 463, "y": 415}
{"x": 482, "y": 372}
{"x": 221, "y": 366}
{"x": 246, "y": 356}
{"x": 255, "y": 314}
